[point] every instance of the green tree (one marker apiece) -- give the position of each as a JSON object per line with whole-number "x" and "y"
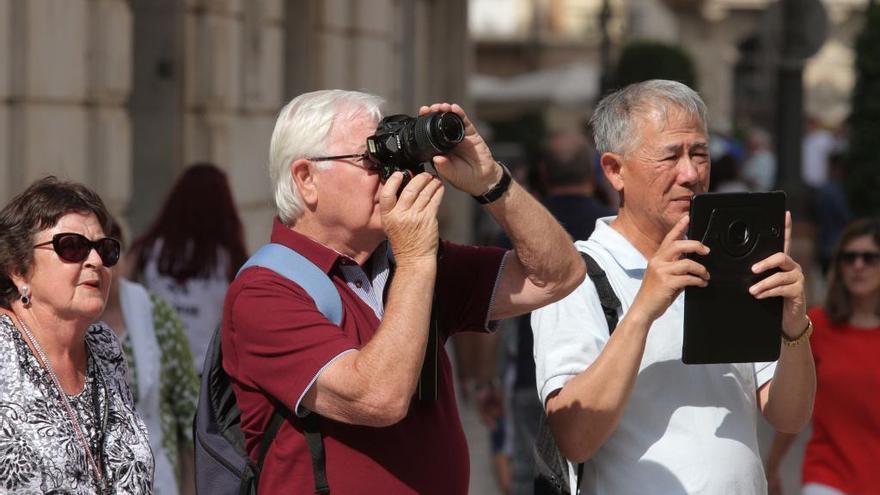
{"x": 644, "y": 60}
{"x": 863, "y": 174}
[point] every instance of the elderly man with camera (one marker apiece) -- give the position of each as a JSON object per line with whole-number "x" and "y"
{"x": 620, "y": 399}
{"x": 352, "y": 199}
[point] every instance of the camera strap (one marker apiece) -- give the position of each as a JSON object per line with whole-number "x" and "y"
{"x": 427, "y": 387}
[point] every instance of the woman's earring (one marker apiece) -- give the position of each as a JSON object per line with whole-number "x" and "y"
{"x": 25, "y": 292}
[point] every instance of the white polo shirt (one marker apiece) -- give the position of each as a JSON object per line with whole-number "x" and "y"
{"x": 686, "y": 428}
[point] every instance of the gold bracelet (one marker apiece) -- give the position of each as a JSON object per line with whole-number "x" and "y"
{"x": 805, "y": 335}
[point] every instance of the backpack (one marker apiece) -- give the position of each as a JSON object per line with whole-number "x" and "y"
{"x": 553, "y": 476}
{"x": 222, "y": 464}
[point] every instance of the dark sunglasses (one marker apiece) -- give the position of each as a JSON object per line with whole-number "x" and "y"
{"x": 868, "y": 257}
{"x": 76, "y": 247}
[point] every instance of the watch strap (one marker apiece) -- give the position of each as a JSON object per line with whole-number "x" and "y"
{"x": 498, "y": 189}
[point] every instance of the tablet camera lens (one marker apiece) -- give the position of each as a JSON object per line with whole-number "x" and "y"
{"x": 738, "y": 233}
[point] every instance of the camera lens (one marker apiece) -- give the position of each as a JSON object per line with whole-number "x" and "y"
{"x": 448, "y": 130}
{"x": 738, "y": 233}
{"x": 434, "y": 133}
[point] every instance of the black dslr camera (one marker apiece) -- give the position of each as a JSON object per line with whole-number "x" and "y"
{"x": 407, "y": 143}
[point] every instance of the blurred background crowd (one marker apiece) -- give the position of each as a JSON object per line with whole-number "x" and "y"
{"x": 124, "y": 96}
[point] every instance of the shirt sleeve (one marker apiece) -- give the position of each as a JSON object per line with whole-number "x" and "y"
{"x": 764, "y": 373}
{"x": 467, "y": 278}
{"x": 280, "y": 339}
{"x": 568, "y": 336}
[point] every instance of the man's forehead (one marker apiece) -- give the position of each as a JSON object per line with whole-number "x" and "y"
{"x": 671, "y": 117}
{"x": 668, "y": 128}
{"x": 353, "y": 132}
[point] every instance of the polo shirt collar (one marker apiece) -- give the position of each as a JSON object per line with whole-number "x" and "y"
{"x": 624, "y": 253}
{"x": 322, "y": 256}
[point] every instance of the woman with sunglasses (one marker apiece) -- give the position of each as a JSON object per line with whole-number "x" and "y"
{"x": 842, "y": 453}
{"x": 67, "y": 420}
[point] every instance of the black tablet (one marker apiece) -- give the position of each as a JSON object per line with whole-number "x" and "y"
{"x": 723, "y": 323}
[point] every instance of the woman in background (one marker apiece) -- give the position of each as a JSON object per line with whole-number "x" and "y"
{"x": 843, "y": 452}
{"x": 161, "y": 375}
{"x": 192, "y": 251}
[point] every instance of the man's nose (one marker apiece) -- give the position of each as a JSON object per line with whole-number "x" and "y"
{"x": 687, "y": 171}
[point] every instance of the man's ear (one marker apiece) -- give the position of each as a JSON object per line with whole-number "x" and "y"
{"x": 612, "y": 165}
{"x": 304, "y": 180}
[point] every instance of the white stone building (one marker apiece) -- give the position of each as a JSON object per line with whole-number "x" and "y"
{"x": 123, "y": 94}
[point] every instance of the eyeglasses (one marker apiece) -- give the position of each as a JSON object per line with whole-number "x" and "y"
{"x": 75, "y": 248}
{"x": 870, "y": 258}
{"x": 365, "y": 160}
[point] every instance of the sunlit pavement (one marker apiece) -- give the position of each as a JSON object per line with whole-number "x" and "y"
{"x": 482, "y": 481}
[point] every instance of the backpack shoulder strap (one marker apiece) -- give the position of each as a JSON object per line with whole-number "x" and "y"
{"x": 297, "y": 268}
{"x": 610, "y": 305}
{"x": 607, "y": 298}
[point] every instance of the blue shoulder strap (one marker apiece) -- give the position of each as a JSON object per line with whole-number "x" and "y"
{"x": 295, "y": 267}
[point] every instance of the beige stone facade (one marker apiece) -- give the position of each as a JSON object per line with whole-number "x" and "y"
{"x": 122, "y": 95}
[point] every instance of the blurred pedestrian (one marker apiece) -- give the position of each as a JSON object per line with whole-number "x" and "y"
{"x": 759, "y": 169}
{"x": 161, "y": 375}
{"x": 832, "y": 211}
{"x": 192, "y": 251}
{"x": 817, "y": 145}
{"x": 844, "y": 448}
{"x": 726, "y": 176}
{"x": 67, "y": 420}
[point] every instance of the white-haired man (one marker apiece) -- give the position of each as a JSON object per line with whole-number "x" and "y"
{"x": 359, "y": 377}
{"x": 624, "y": 402}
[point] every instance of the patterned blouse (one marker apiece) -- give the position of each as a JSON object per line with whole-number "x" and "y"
{"x": 179, "y": 384}
{"x": 39, "y": 452}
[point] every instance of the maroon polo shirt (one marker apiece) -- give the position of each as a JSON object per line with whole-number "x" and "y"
{"x": 275, "y": 342}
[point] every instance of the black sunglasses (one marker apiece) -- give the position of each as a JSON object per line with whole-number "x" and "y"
{"x": 870, "y": 258}
{"x": 76, "y": 247}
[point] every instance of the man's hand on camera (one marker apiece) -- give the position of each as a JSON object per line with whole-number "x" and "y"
{"x": 410, "y": 221}
{"x": 669, "y": 272}
{"x": 470, "y": 166}
{"x": 788, "y": 283}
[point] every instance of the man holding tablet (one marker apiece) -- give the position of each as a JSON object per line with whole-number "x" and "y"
{"x": 622, "y": 401}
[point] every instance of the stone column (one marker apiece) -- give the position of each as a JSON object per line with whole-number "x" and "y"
{"x": 66, "y": 76}
{"x": 109, "y": 79}
{"x": 232, "y": 90}
{"x": 410, "y": 54}
{"x": 155, "y": 105}
{"x": 6, "y": 167}
{"x": 47, "y": 90}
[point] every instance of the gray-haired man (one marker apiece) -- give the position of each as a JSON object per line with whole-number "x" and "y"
{"x": 645, "y": 422}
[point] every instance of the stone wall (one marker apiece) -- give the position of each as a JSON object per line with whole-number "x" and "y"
{"x": 65, "y": 76}
{"x": 122, "y": 95}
